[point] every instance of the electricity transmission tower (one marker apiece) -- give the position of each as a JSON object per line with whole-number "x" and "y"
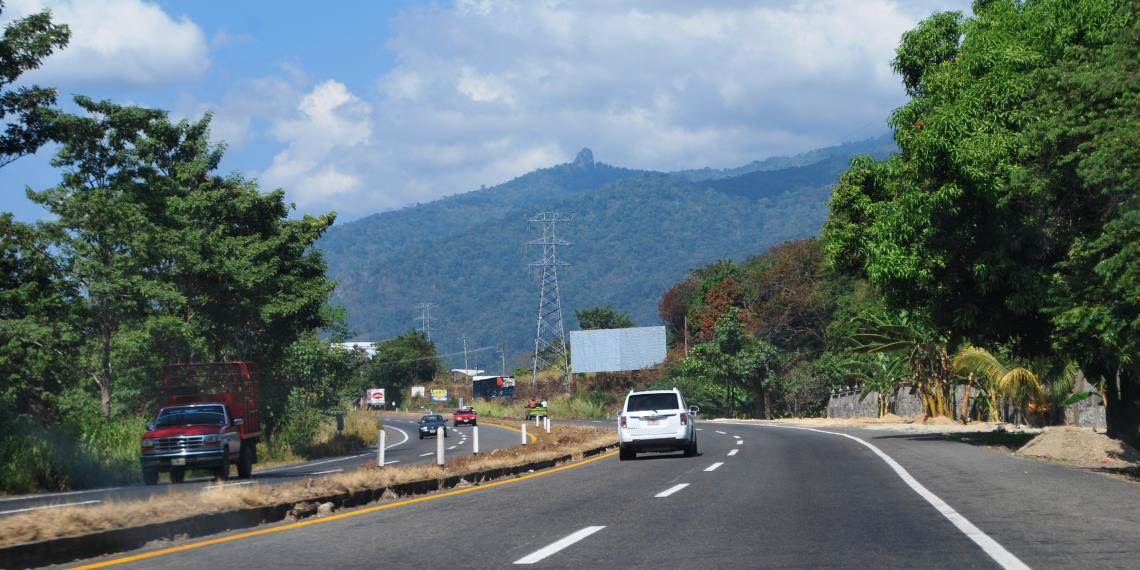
{"x": 425, "y": 318}
{"x": 550, "y": 336}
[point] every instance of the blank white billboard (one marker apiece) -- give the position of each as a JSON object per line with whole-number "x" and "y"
{"x": 613, "y": 350}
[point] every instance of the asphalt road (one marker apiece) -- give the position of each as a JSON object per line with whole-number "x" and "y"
{"x": 756, "y": 496}
{"x": 402, "y": 446}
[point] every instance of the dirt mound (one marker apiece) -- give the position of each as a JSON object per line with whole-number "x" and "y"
{"x": 939, "y": 421}
{"x": 1081, "y": 447}
{"x": 893, "y": 419}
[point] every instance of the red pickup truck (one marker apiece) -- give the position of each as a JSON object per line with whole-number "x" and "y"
{"x": 211, "y": 418}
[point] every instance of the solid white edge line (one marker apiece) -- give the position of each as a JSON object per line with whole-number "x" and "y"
{"x": 714, "y": 466}
{"x": 404, "y": 433}
{"x": 327, "y": 472}
{"x": 542, "y": 553}
{"x": 428, "y": 454}
{"x": 991, "y": 547}
{"x": 24, "y": 510}
{"x": 64, "y": 494}
{"x": 671, "y": 490}
{"x": 732, "y": 452}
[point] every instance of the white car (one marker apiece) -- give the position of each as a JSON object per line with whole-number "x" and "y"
{"x": 656, "y": 420}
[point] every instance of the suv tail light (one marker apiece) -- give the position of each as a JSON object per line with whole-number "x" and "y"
{"x": 623, "y": 421}
{"x": 684, "y": 418}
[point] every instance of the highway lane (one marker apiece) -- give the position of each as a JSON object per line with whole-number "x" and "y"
{"x": 779, "y": 497}
{"x": 403, "y": 447}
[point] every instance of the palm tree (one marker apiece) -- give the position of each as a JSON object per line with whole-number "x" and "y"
{"x": 1035, "y": 394}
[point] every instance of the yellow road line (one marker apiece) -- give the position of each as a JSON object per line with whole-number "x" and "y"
{"x": 331, "y": 518}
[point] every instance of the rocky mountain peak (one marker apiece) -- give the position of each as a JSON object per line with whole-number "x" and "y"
{"x": 585, "y": 158}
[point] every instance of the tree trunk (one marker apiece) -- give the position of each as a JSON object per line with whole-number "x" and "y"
{"x": 1122, "y": 409}
{"x": 105, "y": 370}
{"x": 767, "y": 404}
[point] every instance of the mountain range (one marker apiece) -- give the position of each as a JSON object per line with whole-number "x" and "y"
{"x": 635, "y": 233}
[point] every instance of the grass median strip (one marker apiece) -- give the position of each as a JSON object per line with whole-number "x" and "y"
{"x": 336, "y": 517}
{"x": 181, "y": 503}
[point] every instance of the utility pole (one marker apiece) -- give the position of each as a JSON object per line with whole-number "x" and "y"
{"x": 550, "y": 336}
{"x": 503, "y": 358}
{"x": 465, "y": 368}
{"x": 425, "y": 318}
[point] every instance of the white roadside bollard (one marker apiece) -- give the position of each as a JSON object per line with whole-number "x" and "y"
{"x": 380, "y": 449}
{"x": 524, "y": 433}
{"x": 546, "y": 420}
{"x": 475, "y": 443}
{"x": 536, "y": 420}
{"x": 439, "y": 445}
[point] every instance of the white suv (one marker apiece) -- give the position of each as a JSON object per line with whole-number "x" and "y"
{"x": 656, "y": 420}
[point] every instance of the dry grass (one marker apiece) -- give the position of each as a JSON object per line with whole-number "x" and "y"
{"x": 361, "y": 428}
{"x": 55, "y": 523}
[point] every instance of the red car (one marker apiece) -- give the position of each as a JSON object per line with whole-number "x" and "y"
{"x": 464, "y": 416}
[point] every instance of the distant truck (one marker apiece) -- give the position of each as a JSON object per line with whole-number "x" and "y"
{"x": 374, "y": 398}
{"x": 211, "y": 418}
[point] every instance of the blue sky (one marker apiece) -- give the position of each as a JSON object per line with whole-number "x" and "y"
{"x": 359, "y": 107}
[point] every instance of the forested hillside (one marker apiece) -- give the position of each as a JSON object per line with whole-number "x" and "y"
{"x": 635, "y": 233}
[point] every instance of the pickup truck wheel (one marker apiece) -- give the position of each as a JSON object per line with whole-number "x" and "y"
{"x": 177, "y": 475}
{"x": 245, "y": 462}
{"x": 222, "y": 473}
{"x": 150, "y": 476}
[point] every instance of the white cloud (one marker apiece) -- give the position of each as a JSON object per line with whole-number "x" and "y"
{"x": 122, "y": 41}
{"x": 485, "y": 90}
{"x": 316, "y": 164}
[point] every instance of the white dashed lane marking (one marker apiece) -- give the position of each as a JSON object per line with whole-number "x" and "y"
{"x": 542, "y": 553}
{"x": 721, "y": 432}
{"x": 671, "y": 490}
{"x": 714, "y": 466}
{"x": 733, "y": 452}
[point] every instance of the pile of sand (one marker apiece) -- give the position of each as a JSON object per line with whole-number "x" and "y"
{"x": 1081, "y": 447}
{"x": 939, "y": 421}
{"x": 890, "y": 418}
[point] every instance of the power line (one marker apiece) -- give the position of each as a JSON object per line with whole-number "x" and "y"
{"x": 425, "y": 318}
{"x": 480, "y": 349}
{"x": 550, "y": 336}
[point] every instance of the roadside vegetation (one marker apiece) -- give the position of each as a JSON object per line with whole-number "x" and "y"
{"x": 73, "y": 521}
{"x": 996, "y": 251}
{"x": 147, "y": 255}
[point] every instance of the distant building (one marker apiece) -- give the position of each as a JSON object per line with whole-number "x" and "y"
{"x": 367, "y": 346}
{"x": 468, "y": 372}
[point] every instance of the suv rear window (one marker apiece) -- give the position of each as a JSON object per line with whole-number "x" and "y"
{"x": 648, "y": 402}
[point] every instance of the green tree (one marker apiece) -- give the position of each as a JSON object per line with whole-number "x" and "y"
{"x": 37, "y": 335}
{"x": 602, "y": 318}
{"x": 1004, "y": 217}
{"x": 105, "y": 239}
{"x": 26, "y": 111}
{"x": 1085, "y": 166}
{"x": 402, "y": 361}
